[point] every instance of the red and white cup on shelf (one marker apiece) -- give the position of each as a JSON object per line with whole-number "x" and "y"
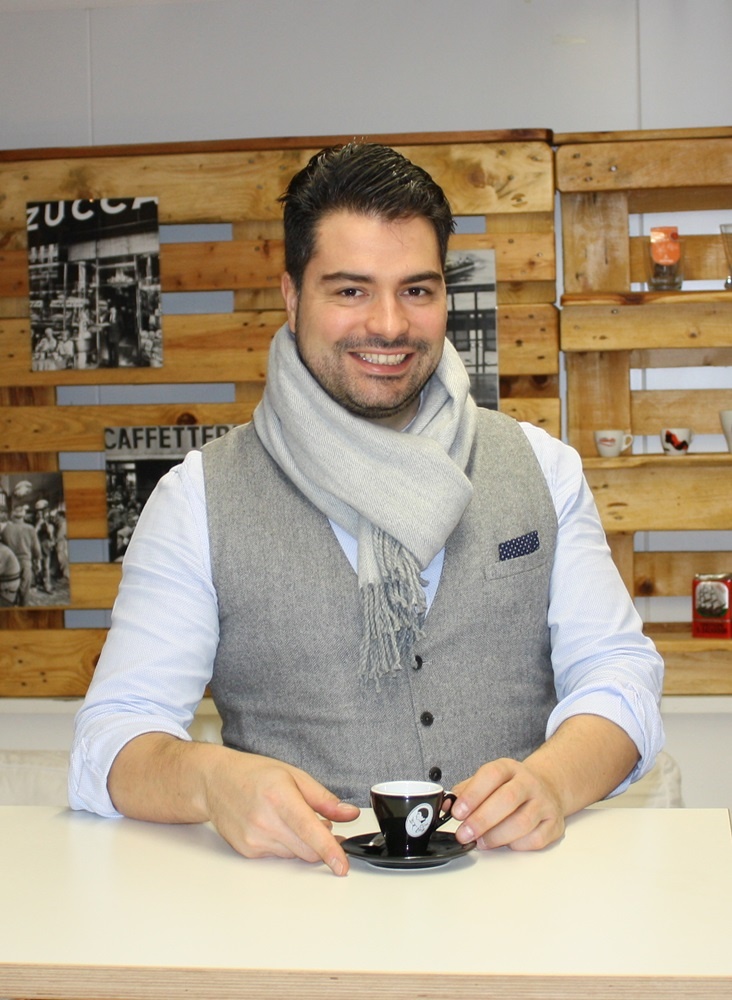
{"x": 611, "y": 443}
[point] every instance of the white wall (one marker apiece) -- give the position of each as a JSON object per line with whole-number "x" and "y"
{"x": 77, "y": 72}
{"x": 89, "y": 71}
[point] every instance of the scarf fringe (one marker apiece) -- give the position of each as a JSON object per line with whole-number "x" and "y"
{"x": 393, "y": 611}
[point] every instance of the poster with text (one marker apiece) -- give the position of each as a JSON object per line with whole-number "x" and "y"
{"x": 94, "y": 277}
{"x": 135, "y": 460}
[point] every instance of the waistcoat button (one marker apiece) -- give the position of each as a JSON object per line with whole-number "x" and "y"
{"x": 435, "y": 773}
{"x": 417, "y": 663}
{"x": 426, "y": 718}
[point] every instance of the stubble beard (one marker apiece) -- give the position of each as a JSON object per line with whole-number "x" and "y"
{"x": 335, "y": 384}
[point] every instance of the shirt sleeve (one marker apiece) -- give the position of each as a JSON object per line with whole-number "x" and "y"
{"x": 603, "y": 663}
{"x": 159, "y": 653}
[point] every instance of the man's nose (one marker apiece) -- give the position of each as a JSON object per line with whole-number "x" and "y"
{"x": 387, "y": 317}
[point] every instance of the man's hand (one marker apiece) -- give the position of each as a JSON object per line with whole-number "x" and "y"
{"x": 506, "y": 804}
{"x": 259, "y": 805}
{"x": 263, "y": 807}
{"x": 524, "y": 805}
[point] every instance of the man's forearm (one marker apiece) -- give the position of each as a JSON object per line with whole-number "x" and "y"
{"x": 160, "y": 778}
{"x": 585, "y": 759}
{"x": 261, "y": 806}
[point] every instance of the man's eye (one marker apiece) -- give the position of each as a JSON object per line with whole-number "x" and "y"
{"x": 349, "y": 293}
{"x": 418, "y": 292}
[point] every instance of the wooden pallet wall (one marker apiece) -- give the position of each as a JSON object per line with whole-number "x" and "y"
{"x": 609, "y": 332}
{"x": 505, "y": 177}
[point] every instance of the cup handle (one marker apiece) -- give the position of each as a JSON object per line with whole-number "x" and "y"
{"x": 447, "y": 813}
{"x": 627, "y": 441}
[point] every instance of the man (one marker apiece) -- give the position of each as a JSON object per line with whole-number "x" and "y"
{"x": 21, "y": 537}
{"x": 377, "y": 579}
{"x": 9, "y": 576}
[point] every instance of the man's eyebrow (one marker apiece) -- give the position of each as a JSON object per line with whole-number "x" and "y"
{"x": 412, "y": 279}
{"x": 346, "y": 276}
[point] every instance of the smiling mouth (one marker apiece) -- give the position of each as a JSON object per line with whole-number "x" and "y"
{"x": 383, "y": 359}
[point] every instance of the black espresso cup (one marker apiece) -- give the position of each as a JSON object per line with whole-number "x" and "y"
{"x": 409, "y": 812}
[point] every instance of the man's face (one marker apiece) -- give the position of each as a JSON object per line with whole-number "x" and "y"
{"x": 370, "y": 317}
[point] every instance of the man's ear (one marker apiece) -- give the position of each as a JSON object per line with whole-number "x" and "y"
{"x": 290, "y": 295}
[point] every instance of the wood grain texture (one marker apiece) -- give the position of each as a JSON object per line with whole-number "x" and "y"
{"x": 638, "y": 321}
{"x": 48, "y": 663}
{"x": 64, "y": 982}
{"x": 674, "y": 496}
{"x": 507, "y": 178}
{"x": 644, "y": 164}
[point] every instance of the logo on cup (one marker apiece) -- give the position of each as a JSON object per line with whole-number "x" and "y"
{"x": 610, "y": 443}
{"x": 676, "y": 440}
{"x": 419, "y": 819}
{"x": 409, "y": 812}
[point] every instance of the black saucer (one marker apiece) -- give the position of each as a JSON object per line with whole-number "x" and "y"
{"x": 443, "y": 849}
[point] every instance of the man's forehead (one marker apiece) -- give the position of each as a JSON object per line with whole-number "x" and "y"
{"x": 340, "y": 233}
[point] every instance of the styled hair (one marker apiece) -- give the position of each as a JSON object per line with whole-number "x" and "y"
{"x": 364, "y": 178}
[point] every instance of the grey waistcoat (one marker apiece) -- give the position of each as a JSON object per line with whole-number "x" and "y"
{"x": 285, "y": 678}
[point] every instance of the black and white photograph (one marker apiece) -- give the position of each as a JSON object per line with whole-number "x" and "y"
{"x": 470, "y": 277}
{"x": 135, "y": 460}
{"x": 94, "y": 277}
{"x": 34, "y": 548}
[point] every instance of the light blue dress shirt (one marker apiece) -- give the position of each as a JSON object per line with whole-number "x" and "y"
{"x": 159, "y": 653}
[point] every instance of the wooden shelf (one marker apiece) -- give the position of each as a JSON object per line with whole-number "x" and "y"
{"x": 693, "y": 666}
{"x": 711, "y": 459}
{"x": 608, "y": 331}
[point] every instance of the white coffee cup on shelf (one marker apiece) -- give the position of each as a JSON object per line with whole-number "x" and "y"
{"x": 725, "y": 417}
{"x": 676, "y": 440}
{"x": 610, "y": 443}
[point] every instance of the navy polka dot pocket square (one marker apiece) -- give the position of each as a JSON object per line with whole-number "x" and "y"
{"x": 524, "y": 545}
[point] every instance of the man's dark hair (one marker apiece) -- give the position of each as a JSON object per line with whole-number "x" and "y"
{"x": 365, "y": 178}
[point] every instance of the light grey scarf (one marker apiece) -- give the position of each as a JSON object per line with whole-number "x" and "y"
{"x": 399, "y": 493}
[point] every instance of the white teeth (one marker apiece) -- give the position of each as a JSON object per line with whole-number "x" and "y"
{"x": 383, "y": 359}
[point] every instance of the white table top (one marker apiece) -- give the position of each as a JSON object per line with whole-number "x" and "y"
{"x": 117, "y": 908}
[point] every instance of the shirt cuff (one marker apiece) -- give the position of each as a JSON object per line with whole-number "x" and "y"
{"x": 92, "y": 758}
{"x": 634, "y": 710}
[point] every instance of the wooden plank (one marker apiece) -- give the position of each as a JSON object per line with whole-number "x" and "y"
{"x": 528, "y": 339}
{"x": 682, "y": 357}
{"x": 571, "y": 138}
{"x": 195, "y": 187}
{"x": 640, "y": 321}
{"x": 693, "y": 666}
{"x": 60, "y": 662}
{"x": 544, "y": 413}
{"x": 94, "y": 585}
{"x": 517, "y": 292}
{"x": 644, "y": 164}
{"x": 675, "y": 496}
{"x": 86, "y": 504}
{"x": 669, "y": 574}
{"x": 234, "y": 346}
{"x": 242, "y": 264}
{"x": 54, "y": 663}
{"x": 527, "y": 386}
{"x": 281, "y": 142}
{"x": 696, "y": 408}
{"x": 698, "y": 460}
{"x": 595, "y": 245}
{"x": 706, "y": 199}
{"x": 621, "y": 547}
{"x": 598, "y": 396}
{"x": 81, "y": 428}
{"x": 224, "y": 347}
{"x": 519, "y": 256}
